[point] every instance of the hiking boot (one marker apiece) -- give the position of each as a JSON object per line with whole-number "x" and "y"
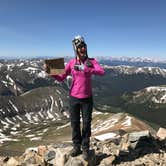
{"x": 75, "y": 151}
{"x": 85, "y": 154}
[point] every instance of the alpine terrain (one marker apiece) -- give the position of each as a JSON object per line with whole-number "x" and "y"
{"x": 128, "y": 116}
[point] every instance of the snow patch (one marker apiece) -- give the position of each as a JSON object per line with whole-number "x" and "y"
{"x": 9, "y": 121}
{"x": 28, "y": 116}
{"x": 14, "y": 132}
{"x": 35, "y": 138}
{"x": 105, "y": 125}
{"x": 58, "y": 91}
{"x": 30, "y": 135}
{"x": 13, "y": 106}
{"x": 31, "y": 69}
{"x": 5, "y": 83}
{"x": 106, "y": 136}
{"x": 127, "y": 122}
{"x": 61, "y": 102}
{"x": 60, "y": 127}
{"x": 6, "y": 125}
{"x": 42, "y": 74}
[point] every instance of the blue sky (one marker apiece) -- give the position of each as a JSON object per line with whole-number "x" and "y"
{"x": 33, "y": 28}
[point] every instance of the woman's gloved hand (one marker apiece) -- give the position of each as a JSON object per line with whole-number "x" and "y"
{"x": 89, "y": 63}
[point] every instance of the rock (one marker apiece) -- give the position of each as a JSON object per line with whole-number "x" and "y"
{"x": 50, "y": 157}
{"x": 135, "y": 136}
{"x": 134, "y": 149}
{"x": 139, "y": 163}
{"x": 161, "y": 133}
{"x": 125, "y": 143}
{"x": 97, "y": 145}
{"x": 12, "y": 162}
{"x": 33, "y": 149}
{"x": 62, "y": 155}
{"x": 141, "y": 140}
{"x": 31, "y": 158}
{"x": 107, "y": 161}
{"x": 125, "y": 146}
{"x": 42, "y": 150}
{"x": 2, "y": 160}
{"x": 76, "y": 162}
{"x": 110, "y": 149}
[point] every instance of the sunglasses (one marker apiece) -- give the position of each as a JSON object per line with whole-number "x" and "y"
{"x": 81, "y": 45}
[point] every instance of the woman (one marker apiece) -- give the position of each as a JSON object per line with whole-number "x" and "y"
{"x": 81, "y": 69}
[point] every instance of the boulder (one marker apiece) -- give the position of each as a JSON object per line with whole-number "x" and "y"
{"x": 42, "y": 150}
{"x": 161, "y": 133}
{"x": 31, "y": 157}
{"x": 139, "y": 139}
{"x": 11, "y": 162}
{"x": 135, "y": 136}
{"x": 62, "y": 155}
{"x": 50, "y": 157}
{"x": 107, "y": 161}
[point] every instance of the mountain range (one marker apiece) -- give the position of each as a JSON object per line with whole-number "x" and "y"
{"x": 33, "y": 105}
{"x": 132, "y": 61}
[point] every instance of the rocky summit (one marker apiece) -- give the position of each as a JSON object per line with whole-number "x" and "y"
{"x": 139, "y": 148}
{"x": 34, "y": 117}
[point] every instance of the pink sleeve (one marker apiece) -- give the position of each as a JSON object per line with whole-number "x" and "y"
{"x": 96, "y": 69}
{"x": 61, "y": 77}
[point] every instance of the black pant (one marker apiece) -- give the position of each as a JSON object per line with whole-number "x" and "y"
{"x": 84, "y": 106}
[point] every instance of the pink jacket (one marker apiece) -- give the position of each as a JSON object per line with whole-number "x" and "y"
{"x": 81, "y": 86}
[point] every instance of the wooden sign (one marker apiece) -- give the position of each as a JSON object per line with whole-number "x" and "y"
{"x": 55, "y": 66}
